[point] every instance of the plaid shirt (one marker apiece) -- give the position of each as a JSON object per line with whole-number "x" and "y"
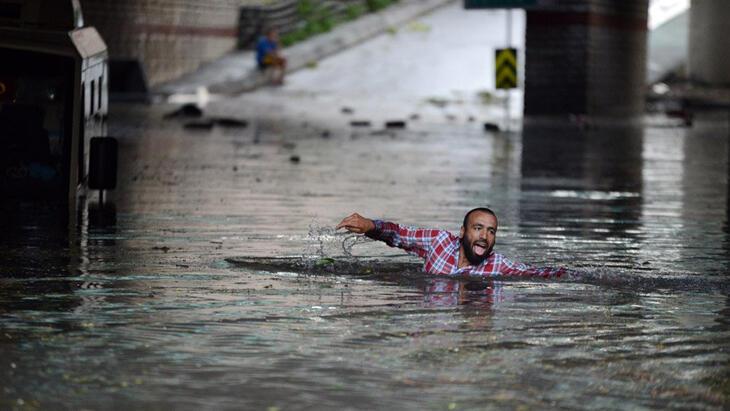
{"x": 440, "y": 249}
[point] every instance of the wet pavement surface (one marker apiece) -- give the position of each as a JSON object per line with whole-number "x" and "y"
{"x": 213, "y": 278}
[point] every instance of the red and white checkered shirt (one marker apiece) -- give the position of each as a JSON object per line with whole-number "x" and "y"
{"x": 440, "y": 249}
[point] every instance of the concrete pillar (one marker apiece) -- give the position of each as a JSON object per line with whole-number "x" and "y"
{"x": 709, "y": 44}
{"x": 586, "y": 58}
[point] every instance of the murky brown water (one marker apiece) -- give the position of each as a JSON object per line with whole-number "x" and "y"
{"x": 144, "y": 308}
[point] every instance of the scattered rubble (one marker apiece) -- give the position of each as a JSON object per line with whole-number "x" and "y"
{"x": 229, "y": 122}
{"x": 185, "y": 111}
{"x": 491, "y": 127}
{"x": 395, "y": 124}
{"x": 199, "y": 125}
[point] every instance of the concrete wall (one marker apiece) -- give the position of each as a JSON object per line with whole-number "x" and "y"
{"x": 709, "y": 43}
{"x": 586, "y": 57}
{"x": 169, "y": 37}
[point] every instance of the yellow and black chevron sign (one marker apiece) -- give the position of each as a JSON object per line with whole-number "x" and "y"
{"x": 505, "y": 64}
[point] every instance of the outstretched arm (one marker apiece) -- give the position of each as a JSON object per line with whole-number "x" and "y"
{"x": 505, "y": 266}
{"x": 413, "y": 240}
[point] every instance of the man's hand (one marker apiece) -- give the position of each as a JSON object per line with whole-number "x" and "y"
{"x": 356, "y": 223}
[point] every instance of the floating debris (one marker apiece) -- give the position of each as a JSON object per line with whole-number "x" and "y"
{"x": 229, "y": 122}
{"x": 324, "y": 261}
{"x": 186, "y": 110}
{"x": 491, "y": 127}
{"x": 437, "y": 101}
{"x": 395, "y": 124}
{"x": 360, "y": 123}
{"x": 382, "y": 133}
{"x": 199, "y": 125}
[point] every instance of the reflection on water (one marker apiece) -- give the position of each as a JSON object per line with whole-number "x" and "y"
{"x": 584, "y": 187}
{"x": 215, "y": 280}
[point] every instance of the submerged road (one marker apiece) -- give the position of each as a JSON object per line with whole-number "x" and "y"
{"x": 188, "y": 290}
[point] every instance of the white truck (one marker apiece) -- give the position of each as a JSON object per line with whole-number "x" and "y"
{"x": 53, "y": 103}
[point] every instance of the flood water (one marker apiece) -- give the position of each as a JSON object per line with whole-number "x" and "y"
{"x": 214, "y": 279}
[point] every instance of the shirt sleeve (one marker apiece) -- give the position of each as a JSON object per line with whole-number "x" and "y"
{"x": 505, "y": 266}
{"x": 416, "y": 241}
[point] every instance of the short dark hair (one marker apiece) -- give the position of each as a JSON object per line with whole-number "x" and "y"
{"x": 482, "y": 209}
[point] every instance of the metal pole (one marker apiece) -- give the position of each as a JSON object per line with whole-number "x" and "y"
{"x": 509, "y": 91}
{"x": 509, "y": 27}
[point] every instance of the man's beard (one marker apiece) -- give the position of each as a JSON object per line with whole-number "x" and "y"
{"x": 473, "y": 258}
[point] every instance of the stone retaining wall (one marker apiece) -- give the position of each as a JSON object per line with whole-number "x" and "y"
{"x": 168, "y": 37}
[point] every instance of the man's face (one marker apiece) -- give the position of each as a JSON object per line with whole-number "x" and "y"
{"x": 479, "y": 236}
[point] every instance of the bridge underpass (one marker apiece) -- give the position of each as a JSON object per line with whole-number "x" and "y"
{"x": 140, "y": 307}
{"x": 583, "y": 57}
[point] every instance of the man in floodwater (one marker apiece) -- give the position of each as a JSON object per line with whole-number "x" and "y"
{"x": 471, "y": 253}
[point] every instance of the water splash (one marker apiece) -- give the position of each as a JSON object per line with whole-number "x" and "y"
{"x": 319, "y": 236}
{"x": 325, "y": 240}
{"x": 351, "y": 241}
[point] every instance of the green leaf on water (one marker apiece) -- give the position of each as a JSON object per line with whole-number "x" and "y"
{"x": 324, "y": 261}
